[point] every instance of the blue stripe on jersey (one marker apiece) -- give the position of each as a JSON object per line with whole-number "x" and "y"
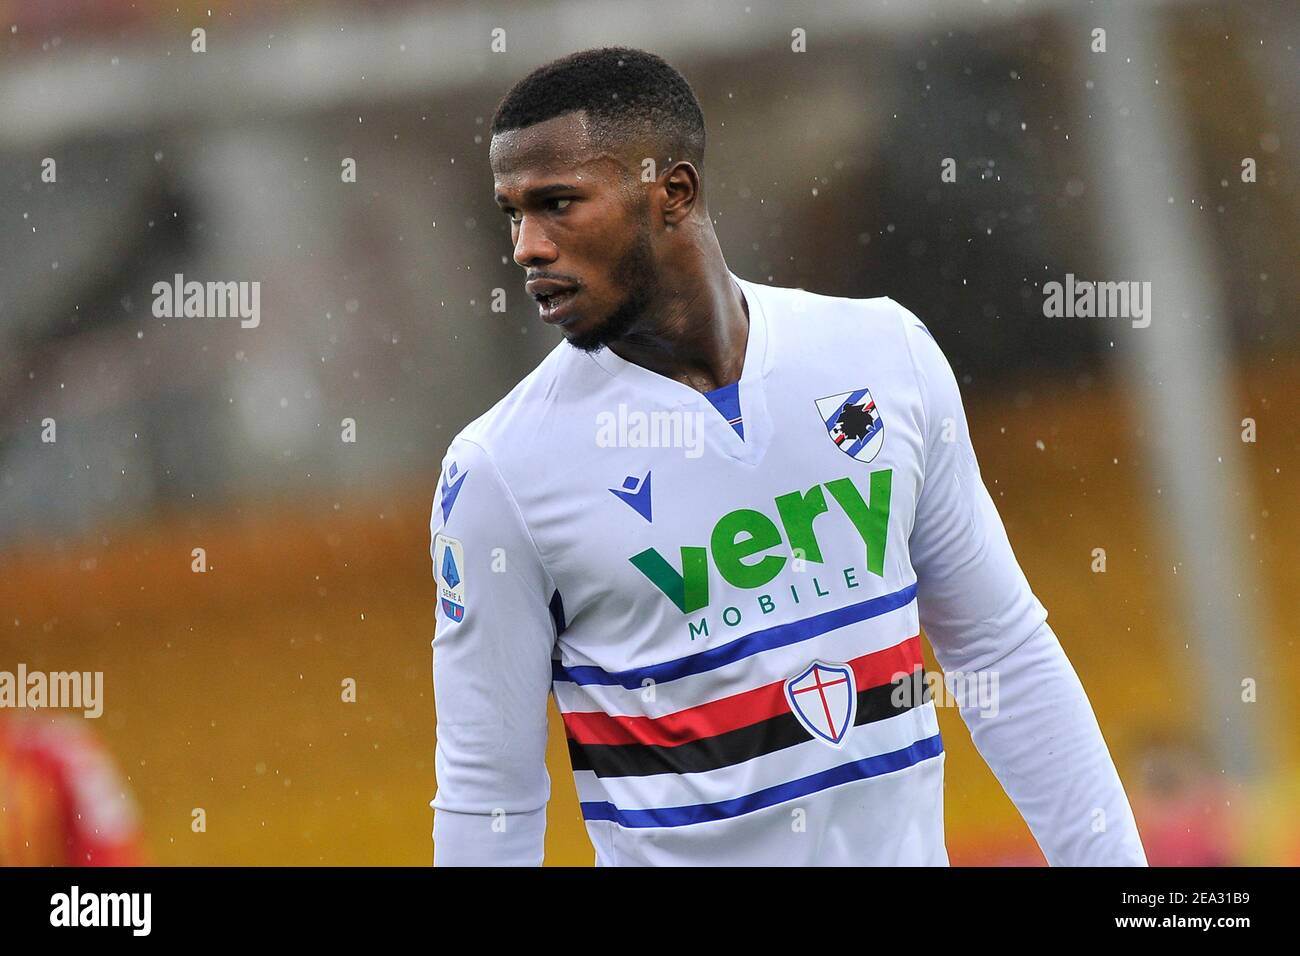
{"x": 726, "y": 809}
{"x": 780, "y": 635}
{"x": 727, "y": 401}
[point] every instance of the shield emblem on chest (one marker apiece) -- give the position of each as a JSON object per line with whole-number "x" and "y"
{"x": 824, "y": 700}
{"x": 853, "y": 423}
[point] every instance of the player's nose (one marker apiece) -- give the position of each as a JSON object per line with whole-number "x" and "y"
{"x": 531, "y": 244}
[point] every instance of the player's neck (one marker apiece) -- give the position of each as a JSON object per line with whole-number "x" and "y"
{"x": 701, "y": 333}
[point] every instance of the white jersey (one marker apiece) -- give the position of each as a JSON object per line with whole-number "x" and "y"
{"x": 729, "y": 608}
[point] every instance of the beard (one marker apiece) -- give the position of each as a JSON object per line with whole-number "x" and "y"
{"x": 636, "y": 273}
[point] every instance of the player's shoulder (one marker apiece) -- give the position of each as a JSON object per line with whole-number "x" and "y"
{"x": 879, "y": 325}
{"x": 809, "y": 310}
{"x": 525, "y": 419}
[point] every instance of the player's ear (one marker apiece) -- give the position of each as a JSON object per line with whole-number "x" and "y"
{"x": 681, "y": 192}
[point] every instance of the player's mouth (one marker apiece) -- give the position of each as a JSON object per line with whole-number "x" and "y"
{"x": 555, "y": 307}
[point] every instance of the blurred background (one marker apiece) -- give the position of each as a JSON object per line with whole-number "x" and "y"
{"x": 1146, "y": 475}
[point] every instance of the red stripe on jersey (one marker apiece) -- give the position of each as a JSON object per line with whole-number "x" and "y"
{"x": 730, "y": 713}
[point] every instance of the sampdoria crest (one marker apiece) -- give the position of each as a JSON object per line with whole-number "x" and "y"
{"x": 853, "y": 423}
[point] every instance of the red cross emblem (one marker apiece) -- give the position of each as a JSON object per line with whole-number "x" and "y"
{"x": 824, "y": 700}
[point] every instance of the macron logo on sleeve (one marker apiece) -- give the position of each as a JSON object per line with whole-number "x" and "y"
{"x": 450, "y": 489}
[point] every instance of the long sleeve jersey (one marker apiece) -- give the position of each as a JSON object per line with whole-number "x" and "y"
{"x": 728, "y": 606}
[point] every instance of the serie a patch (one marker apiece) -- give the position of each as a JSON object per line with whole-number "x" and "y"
{"x": 449, "y": 573}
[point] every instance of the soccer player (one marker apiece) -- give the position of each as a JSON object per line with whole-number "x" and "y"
{"x": 714, "y": 521}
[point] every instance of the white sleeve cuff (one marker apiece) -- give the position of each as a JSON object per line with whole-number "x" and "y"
{"x": 481, "y": 839}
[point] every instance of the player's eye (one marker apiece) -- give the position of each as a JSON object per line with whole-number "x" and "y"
{"x": 555, "y": 205}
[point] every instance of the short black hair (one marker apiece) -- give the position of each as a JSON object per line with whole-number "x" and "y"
{"x": 629, "y": 94}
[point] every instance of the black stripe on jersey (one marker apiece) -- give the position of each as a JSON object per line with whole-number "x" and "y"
{"x": 557, "y": 613}
{"x": 737, "y": 746}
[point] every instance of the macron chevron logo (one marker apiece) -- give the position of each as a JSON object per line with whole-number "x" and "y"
{"x": 450, "y": 491}
{"x": 636, "y": 493}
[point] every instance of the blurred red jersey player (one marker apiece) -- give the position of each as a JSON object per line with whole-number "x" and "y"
{"x": 62, "y": 801}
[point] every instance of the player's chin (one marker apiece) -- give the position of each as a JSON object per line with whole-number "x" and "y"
{"x": 585, "y": 343}
{"x": 586, "y": 336}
